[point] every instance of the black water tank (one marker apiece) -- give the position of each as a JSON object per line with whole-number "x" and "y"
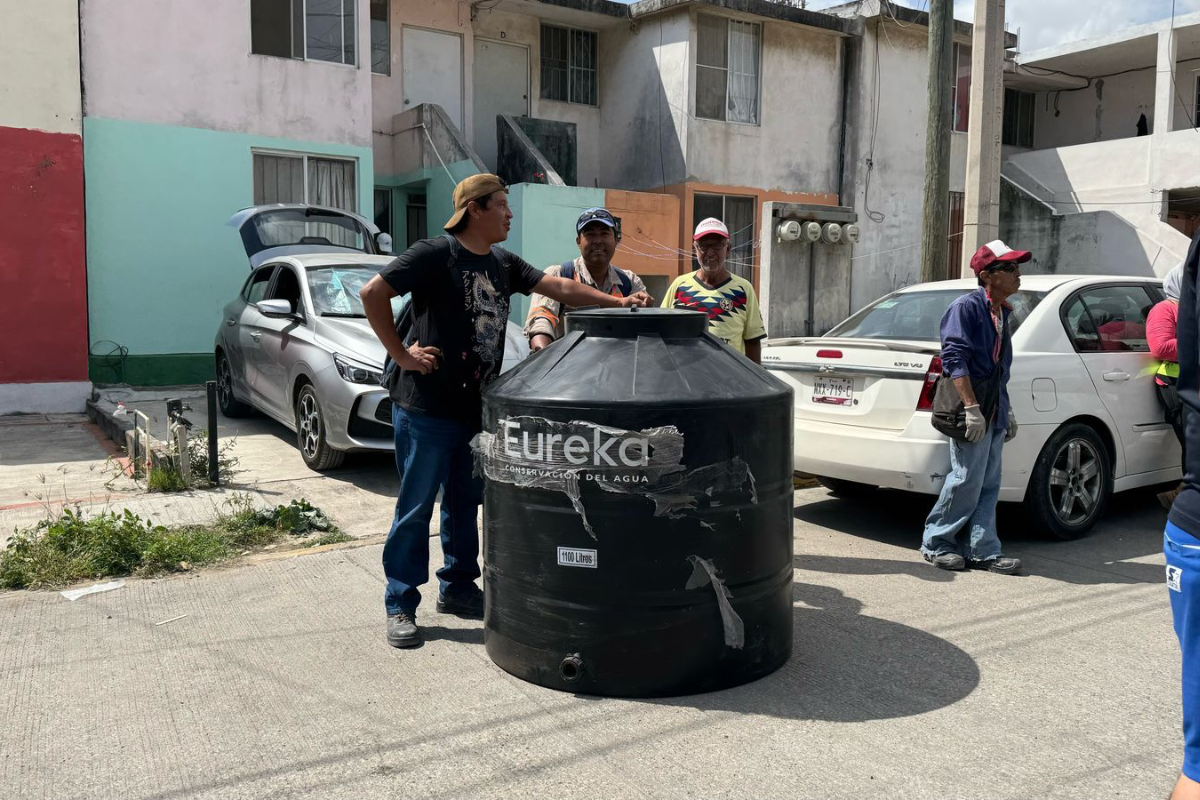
{"x": 638, "y": 510}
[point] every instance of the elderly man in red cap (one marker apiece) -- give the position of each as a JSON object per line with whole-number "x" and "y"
{"x": 977, "y": 353}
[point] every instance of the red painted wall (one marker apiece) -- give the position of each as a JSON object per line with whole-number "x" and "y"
{"x": 43, "y": 267}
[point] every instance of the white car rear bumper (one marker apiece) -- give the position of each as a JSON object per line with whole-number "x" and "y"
{"x": 915, "y": 459}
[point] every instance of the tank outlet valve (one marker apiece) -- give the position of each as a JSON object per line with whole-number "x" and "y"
{"x": 571, "y": 668}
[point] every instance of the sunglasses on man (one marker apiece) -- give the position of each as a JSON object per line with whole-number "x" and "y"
{"x": 1005, "y": 268}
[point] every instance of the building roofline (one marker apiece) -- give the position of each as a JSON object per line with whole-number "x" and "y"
{"x": 759, "y": 8}
{"x": 1123, "y": 35}
{"x": 904, "y": 15}
{"x": 606, "y": 7}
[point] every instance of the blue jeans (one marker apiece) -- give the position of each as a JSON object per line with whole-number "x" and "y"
{"x": 431, "y": 453}
{"x": 1183, "y": 586}
{"x": 968, "y": 501}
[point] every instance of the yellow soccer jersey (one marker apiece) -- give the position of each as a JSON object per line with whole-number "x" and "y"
{"x": 732, "y": 307}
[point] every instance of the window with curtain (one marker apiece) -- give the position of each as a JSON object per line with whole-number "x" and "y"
{"x": 728, "y": 57}
{"x": 285, "y": 178}
{"x": 738, "y": 215}
{"x": 320, "y": 30}
{"x": 381, "y": 38}
{"x": 569, "y": 65}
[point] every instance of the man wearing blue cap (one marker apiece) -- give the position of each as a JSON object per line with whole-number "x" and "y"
{"x": 597, "y": 233}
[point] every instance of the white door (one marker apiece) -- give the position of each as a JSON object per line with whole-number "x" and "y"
{"x": 501, "y": 76}
{"x": 1108, "y": 326}
{"x": 433, "y": 71}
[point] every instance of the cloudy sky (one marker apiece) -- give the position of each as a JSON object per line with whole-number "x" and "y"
{"x": 1044, "y": 23}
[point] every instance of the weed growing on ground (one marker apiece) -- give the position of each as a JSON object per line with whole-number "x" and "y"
{"x": 333, "y": 537}
{"x": 71, "y": 547}
{"x": 166, "y": 477}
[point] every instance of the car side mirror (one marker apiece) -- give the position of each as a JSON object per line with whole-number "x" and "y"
{"x": 279, "y": 309}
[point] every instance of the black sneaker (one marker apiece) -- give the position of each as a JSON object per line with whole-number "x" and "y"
{"x": 951, "y": 561}
{"x": 402, "y": 630}
{"x": 1001, "y": 565}
{"x": 467, "y": 603}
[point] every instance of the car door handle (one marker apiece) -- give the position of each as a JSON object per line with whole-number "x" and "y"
{"x": 256, "y": 335}
{"x": 1116, "y": 376}
{"x": 231, "y": 322}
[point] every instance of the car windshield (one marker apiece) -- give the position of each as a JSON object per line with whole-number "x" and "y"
{"x": 918, "y": 315}
{"x": 335, "y": 290}
{"x": 298, "y": 226}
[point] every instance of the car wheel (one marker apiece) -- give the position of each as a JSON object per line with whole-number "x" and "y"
{"x": 844, "y": 488}
{"x": 310, "y": 433}
{"x": 1071, "y": 482}
{"x": 230, "y": 405}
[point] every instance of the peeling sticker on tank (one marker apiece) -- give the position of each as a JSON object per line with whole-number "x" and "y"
{"x": 704, "y": 572}
{"x": 536, "y": 452}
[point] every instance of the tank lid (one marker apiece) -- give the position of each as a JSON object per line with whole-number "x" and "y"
{"x": 619, "y": 323}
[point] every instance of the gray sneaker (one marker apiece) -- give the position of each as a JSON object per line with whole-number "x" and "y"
{"x": 402, "y": 630}
{"x": 951, "y": 561}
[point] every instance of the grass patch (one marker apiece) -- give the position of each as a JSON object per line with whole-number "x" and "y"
{"x": 71, "y": 547}
{"x": 333, "y": 537}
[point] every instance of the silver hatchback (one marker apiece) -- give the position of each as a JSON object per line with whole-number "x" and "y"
{"x": 295, "y": 343}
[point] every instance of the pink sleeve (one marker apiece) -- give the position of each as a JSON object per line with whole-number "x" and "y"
{"x": 1160, "y": 331}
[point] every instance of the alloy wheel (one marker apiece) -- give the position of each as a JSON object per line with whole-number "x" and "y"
{"x": 1076, "y": 481}
{"x": 309, "y": 420}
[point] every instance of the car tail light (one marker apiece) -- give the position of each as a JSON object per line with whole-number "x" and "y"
{"x": 829, "y": 354}
{"x": 925, "y": 401}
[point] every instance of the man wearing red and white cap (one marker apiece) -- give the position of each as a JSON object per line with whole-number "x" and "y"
{"x": 976, "y": 342}
{"x": 727, "y": 299}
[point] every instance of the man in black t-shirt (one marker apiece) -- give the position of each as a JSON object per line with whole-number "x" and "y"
{"x": 460, "y": 286}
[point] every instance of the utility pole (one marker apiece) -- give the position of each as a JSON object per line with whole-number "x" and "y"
{"x": 981, "y": 223}
{"x": 936, "y": 220}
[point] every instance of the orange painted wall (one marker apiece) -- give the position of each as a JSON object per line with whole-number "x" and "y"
{"x": 650, "y": 230}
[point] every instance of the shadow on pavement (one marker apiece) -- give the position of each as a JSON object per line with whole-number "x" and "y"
{"x": 1130, "y": 529}
{"x": 848, "y": 667}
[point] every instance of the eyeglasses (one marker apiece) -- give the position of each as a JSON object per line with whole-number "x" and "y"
{"x": 1005, "y": 268}
{"x": 717, "y": 245}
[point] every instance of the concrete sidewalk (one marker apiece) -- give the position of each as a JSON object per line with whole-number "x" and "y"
{"x": 906, "y": 682}
{"x": 51, "y": 461}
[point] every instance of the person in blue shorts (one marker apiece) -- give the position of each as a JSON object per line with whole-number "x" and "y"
{"x": 1181, "y": 540}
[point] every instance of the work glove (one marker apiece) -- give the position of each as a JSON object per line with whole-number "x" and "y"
{"x": 1011, "y": 433}
{"x": 976, "y": 424}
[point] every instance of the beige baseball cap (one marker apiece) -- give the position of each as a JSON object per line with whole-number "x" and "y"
{"x": 473, "y": 188}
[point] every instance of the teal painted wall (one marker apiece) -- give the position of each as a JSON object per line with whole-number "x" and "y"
{"x": 161, "y": 261}
{"x": 543, "y": 229}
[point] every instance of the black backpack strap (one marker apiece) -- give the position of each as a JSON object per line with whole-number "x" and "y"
{"x": 567, "y": 270}
{"x": 626, "y": 283}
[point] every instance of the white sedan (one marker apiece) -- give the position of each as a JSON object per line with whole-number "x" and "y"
{"x": 1082, "y": 389}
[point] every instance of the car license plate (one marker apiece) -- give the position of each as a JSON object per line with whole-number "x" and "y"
{"x": 833, "y": 391}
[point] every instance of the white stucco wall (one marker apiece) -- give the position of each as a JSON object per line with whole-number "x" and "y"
{"x": 387, "y": 91}
{"x": 1100, "y": 113}
{"x": 526, "y": 30}
{"x": 1127, "y": 177}
{"x": 190, "y": 64}
{"x": 794, "y": 147}
{"x": 645, "y": 95}
{"x": 889, "y": 255}
{"x": 39, "y": 62}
